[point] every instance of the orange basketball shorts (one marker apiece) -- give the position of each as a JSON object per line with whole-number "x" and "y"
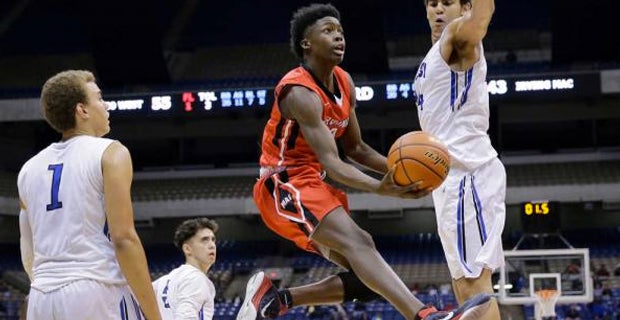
{"x": 293, "y": 202}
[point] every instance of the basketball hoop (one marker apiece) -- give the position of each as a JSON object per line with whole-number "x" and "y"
{"x": 545, "y": 303}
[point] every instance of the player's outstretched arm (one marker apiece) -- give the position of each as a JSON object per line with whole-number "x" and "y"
{"x": 472, "y": 27}
{"x": 117, "y": 177}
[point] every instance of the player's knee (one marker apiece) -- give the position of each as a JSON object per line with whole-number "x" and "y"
{"x": 365, "y": 239}
{"x": 472, "y": 287}
{"x": 355, "y": 289}
{"x": 357, "y": 241}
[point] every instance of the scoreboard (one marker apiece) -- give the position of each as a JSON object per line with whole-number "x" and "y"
{"x": 379, "y": 94}
{"x": 540, "y": 216}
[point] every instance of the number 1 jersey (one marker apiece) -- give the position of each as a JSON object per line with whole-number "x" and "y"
{"x": 62, "y": 190}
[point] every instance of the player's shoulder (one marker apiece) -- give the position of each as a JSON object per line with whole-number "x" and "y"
{"x": 295, "y": 74}
{"x": 92, "y": 145}
{"x": 114, "y": 149}
{"x": 162, "y": 279}
{"x": 338, "y": 70}
{"x": 344, "y": 75}
{"x": 187, "y": 276}
{"x": 188, "y": 270}
{"x": 41, "y": 156}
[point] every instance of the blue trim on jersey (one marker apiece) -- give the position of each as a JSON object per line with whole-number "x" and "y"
{"x": 454, "y": 88}
{"x": 469, "y": 74}
{"x": 106, "y": 229}
{"x": 136, "y": 308}
{"x": 479, "y": 217}
{"x": 123, "y": 306}
{"x": 460, "y": 221}
{"x": 201, "y": 314}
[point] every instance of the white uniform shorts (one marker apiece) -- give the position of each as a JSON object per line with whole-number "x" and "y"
{"x": 84, "y": 299}
{"x": 471, "y": 212}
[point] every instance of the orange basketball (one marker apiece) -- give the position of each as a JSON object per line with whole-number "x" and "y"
{"x": 418, "y": 156}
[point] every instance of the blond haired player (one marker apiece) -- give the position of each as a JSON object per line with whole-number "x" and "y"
{"x": 78, "y": 241}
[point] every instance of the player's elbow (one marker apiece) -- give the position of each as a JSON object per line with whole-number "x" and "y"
{"x": 355, "y": 152}
{"x": 330, "y": 164}
{"x": 123, "y": 239}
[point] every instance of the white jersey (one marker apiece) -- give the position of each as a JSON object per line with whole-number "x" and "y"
{"x": 62, "y": 189}
{"x": 185, "y": 293}
{"x": 454, "y": 107}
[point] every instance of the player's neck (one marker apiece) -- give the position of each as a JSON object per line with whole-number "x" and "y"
{"x": 322, "y": 72}
{"x": 196, "y": 264}
{"x": 74, "y": 133}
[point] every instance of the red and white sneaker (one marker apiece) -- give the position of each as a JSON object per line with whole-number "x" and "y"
{"x": 472, "y": 309}
{"x": 261, "y": 300}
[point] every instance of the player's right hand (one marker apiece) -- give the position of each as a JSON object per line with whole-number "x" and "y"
{"x": 389, "y": 188}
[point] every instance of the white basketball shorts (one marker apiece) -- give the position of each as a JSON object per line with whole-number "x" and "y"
{"x": 471, "y": 211}
{"x": 84, "y": 299}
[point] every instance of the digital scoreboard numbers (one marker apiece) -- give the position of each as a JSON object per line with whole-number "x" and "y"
{"x": 541, "y": 207}
{"x": 189, "y": 102}
{"x": 540, "y": 216}
{"x": 380, "y": 94}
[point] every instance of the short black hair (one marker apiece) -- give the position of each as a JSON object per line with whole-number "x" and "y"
{"x": 190, "y": 227}
{"x": 305, "y": 17}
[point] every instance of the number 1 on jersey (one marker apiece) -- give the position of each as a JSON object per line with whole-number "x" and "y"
{"x": 57, "y": 172}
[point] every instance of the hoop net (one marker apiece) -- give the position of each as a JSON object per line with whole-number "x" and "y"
{"x": 545, "y": 301}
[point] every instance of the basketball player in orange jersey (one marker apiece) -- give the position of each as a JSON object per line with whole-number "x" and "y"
{"x": 315, "y": 105}
{"x": 453, "y": 105}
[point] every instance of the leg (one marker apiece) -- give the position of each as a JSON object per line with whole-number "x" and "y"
{"x": 325, "y": 291}
{"x": 339, "y": 233}
{"x": 351, "y": 245}
{"x": 318, "y": 220}
{"x": 465, "y": 288}
{"x": 23, "y": 309}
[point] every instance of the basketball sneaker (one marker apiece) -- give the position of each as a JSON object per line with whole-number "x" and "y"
{"x": 262, "y": 300}
{"x": 472, "y": 309}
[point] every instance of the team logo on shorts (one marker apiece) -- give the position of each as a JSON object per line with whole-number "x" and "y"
{"x": 288, "y": 204}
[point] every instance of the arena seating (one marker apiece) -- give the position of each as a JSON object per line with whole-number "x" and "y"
{"x": 519, "y": 175}
{"x": 416, "y": 258}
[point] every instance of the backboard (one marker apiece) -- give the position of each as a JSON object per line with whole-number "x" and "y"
{"x": 528, "y": 271}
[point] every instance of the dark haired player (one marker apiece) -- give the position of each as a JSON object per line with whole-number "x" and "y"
{"x": 453, "y": 105}
{"x": 186, "y": 292}
{"x": 315, "y": 105}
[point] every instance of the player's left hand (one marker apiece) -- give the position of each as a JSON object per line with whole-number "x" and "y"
{"x": 412, "y": 191}
{"x": 416, "y": 192}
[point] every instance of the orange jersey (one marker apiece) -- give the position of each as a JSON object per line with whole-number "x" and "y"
{"x": 283, "y": 144}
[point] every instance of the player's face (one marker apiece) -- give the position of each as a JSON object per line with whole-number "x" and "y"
{"x": 325, "y": 40}
{"x": 97, "y": 109}
{"x": 202, "y": 248}
{"x": 441, "y": 12}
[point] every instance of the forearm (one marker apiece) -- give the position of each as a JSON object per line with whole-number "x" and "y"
{"x": 132, "y": 260}
{"x": 369, "y": 158}
{"x": 348, "y": 175}
{"x": 25, "y": 244}
{"x": 482, "y": 10}
{"x": 27, "y": 258}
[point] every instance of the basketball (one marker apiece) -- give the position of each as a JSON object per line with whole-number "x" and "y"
{"x": 419, "y": 156}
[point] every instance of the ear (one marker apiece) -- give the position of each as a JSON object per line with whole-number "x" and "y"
{"x": 305, "y": 43}
{"x": 81, "y": 111}
{"x": 187, "y": 249}
{"x": 466, "y": 7}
